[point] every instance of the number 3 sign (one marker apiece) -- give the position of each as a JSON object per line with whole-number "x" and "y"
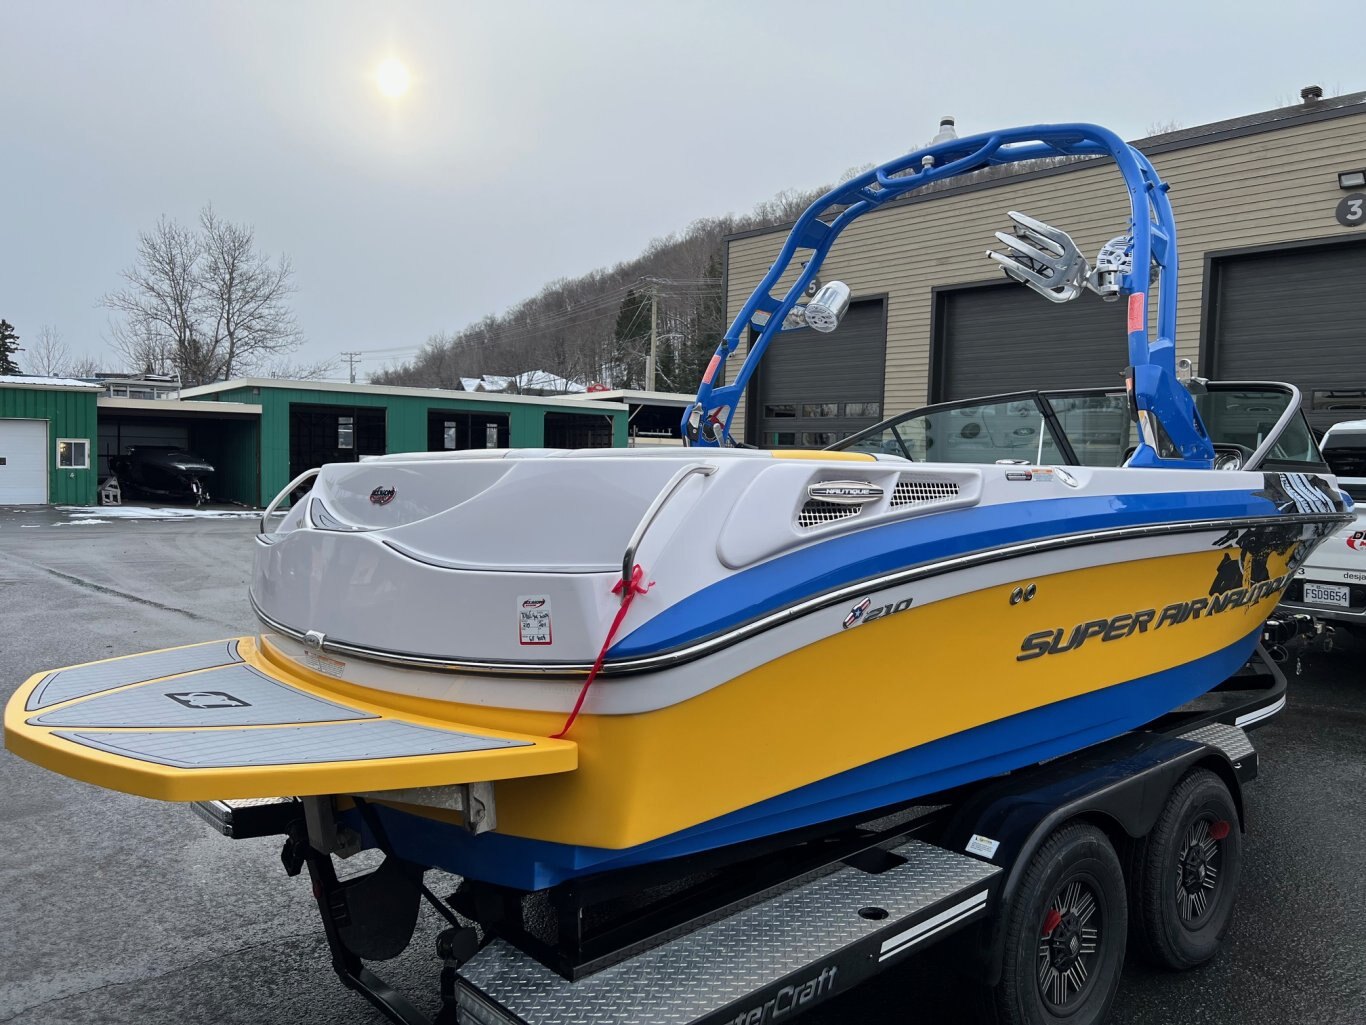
{"x": 1351, "y": 212}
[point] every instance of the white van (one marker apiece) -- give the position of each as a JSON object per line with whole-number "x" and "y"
{"x": 1331, "y": 586}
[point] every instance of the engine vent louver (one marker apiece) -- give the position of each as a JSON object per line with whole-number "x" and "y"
{"x": 815, "y": 512}
{"x": 914, "y": 492}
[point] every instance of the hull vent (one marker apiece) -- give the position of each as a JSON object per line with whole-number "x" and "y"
{"x": 914, "y": 492}
{"x": 815, "y": 512}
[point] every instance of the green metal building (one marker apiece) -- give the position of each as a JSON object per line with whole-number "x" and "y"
{"x": 57, "y": 436}
{"x": 303, "y": 424}
{"x": 47, "y": 439}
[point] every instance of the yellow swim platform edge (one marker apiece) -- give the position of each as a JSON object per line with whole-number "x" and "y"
{"x": 225, "y": 720}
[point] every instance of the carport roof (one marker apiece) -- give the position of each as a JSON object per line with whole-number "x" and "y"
{"x": 173, "y": 407}
{"x": 636, "y": 397}
{"x": 572, "y": 401}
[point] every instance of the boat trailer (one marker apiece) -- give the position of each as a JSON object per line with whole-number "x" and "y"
{"x": 763, "y": 931}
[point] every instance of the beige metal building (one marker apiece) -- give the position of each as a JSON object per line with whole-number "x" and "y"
{"x": 1272, "y": 281}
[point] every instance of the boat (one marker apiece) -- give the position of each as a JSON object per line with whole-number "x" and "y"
{"x": 526, "y": 666}
{"x": 163, "y": 471}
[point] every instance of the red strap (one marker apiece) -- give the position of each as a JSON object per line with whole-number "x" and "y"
{"x": 634, "y": 588}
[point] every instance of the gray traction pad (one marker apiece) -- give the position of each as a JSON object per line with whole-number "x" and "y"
{"x": 66, "y": 684}
{"x": 236, "y": 695}
{"x": 287, "y": 745}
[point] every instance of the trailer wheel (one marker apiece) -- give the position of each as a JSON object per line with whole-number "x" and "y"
{"x": 1065, "y": 933}
{"x": 1185, "y": 874}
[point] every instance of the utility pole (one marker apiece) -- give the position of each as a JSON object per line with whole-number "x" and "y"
{"x": 654, "y": 339}
{"x": 352, "y": 358}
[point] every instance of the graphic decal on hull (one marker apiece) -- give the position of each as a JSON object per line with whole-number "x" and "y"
{"x": 1290, "y": 493}
{"x": 1242, "y": 577}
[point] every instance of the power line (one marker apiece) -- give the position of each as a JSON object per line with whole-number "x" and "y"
{"x": 351, "y": 358}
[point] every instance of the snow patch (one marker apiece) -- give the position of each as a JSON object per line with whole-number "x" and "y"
{"x": 109, "y": 513}
{"x": 49, "y": 382}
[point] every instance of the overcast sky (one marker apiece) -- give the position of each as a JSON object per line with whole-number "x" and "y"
{"x": 542, "y": 139}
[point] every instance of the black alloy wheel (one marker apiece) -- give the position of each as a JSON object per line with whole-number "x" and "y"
{"x": 1065, "y": 930}
{"x": 1184, "y": 875}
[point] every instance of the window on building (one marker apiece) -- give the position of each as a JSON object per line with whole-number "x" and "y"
{"x": 346, "y": 432}
{"x": 449, "y": 437}
{"x": 820, "y": 409}
{"x": 73, "y": 453}
{"x": 490, "y": 435}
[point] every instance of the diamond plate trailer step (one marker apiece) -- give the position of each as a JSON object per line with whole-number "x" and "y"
{"x": 782, "y": 956}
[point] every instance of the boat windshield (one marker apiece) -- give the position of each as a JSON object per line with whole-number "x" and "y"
{"x": 1092, "y": 427}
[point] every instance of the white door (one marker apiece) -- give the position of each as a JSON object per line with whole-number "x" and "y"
{"x": 23, "y": 462}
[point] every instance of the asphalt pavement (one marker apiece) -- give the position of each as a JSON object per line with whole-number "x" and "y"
{"x": 115, "y": 909}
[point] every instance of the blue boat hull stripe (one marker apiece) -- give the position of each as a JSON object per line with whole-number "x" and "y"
{"x": 620, "y": 660}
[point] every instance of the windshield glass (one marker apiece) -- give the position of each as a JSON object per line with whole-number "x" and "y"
{"x": 1007, "y": 428}
{"x": 1241, "y": 416}
{"x": 1247, "y": 414}
{"x": 1097, "y": 425}
{"x": 1089, "y": 428}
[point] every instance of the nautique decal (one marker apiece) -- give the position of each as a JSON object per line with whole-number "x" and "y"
{"x": 382, "y": 495}
{"x": 1061, "y": 639}
{"x": 1242, "y": 577}
{"x": 844, "y": 492}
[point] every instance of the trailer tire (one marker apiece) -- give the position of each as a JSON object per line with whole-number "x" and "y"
{"x": 1064, "y": 932}
{"x": 1185, "y": 874}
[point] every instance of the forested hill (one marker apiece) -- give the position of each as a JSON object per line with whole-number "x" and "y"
{"x": 596, "y": 328}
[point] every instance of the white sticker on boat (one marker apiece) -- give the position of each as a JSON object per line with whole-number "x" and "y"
{"x": 324, "y": 663}
{"x": 533, "y": 618}
{"x": 983, "y": 846}
{"x": 1042, "y": 473}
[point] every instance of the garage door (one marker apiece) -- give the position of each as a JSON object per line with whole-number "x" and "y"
{"x": 23, "y": 462}
{"x": 1003, "y": 338}
{"x": 1296, "y": 315}
{"x": 815, "y": 389}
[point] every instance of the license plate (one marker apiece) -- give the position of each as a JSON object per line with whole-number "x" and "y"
{"x": 1327, "y": 594}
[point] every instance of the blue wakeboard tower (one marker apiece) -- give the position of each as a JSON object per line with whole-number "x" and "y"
{"x": 1045, "y": 259}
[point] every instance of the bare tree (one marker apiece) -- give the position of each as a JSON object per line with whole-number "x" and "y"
{"x": 286, "y": 370}
{"x": 246, "y": 297}
{"x": 203, "y": 303}
{"x": 162, "y": 305}
{"x": 49, "y": 356}
{"x": 84, "y": 366}
{"x": 1163, "y": 127}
